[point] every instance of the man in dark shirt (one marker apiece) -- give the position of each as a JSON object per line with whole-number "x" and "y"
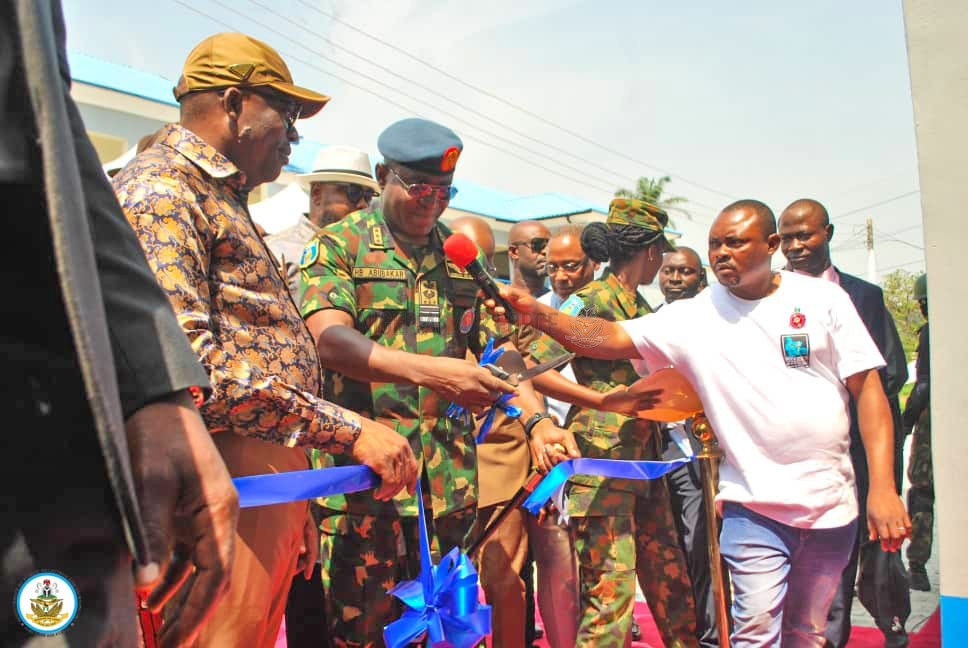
{"x": 95, "y": 391}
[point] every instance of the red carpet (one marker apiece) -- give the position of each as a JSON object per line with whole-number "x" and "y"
{"x": 928, "y": 636}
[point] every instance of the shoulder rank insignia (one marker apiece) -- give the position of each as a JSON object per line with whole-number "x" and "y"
{"x": 310, "y": 254}
{"x": 573, "y": 306}
{"x": 376, "y": 237}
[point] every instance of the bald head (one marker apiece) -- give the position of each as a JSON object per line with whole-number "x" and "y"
{"x": 762, "y": 215}
{"x": 569, "y": 268}
{"x": 477, "y": 230}
{"x": 527, "y": 251}
{"x": 805, "y": 234}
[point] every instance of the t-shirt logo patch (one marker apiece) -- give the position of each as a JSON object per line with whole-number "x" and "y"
{"x": 796, "y": 350}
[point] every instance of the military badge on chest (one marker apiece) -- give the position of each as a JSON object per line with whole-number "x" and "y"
{"x": 428, "y": 305}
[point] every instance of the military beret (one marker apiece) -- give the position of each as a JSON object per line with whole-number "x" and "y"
{"x": 631, "y": 211}
{"x": 421, "y": 145}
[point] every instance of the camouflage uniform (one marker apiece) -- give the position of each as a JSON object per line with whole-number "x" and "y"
{"x": 622, "y": 528}
{"x": 920, "y": 473}
{"x": 411, "y": 300}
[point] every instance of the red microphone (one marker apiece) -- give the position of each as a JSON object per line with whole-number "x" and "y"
{"x": 463, "y": 252}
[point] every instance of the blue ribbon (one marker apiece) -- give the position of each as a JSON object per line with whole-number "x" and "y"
{"x": 279, "y": 488}
{"x": 442, "y": 602}
{"x": 618, "y": 468}
{"x": 460, "y": 413}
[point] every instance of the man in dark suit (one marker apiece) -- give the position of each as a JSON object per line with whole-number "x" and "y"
{"x": 103, "y": 454}
{"x": 805, "y": 235}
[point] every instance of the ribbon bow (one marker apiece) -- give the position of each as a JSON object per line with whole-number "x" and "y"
{"x": 460, "y": 413}
{"x": 442, "y": 602}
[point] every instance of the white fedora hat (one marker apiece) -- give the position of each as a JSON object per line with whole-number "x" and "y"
{"x": 340, "y": 164}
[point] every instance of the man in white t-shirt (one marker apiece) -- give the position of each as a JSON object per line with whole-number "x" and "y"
{"x": 775, "y": 358}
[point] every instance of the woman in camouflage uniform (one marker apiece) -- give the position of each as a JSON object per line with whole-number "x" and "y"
{"x": 622, "y": 528}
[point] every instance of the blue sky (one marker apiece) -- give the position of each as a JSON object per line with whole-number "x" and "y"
{"x": 772, "y": 100}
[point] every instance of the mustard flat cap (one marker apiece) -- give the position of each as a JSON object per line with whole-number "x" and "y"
{"x": 422, "y": 145}
{"x": 631, "y": 211}
{"x": 231, "y": 59}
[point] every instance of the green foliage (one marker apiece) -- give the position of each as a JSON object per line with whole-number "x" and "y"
{"x": 898, "y": 289}
{"x": 652, "y": 190}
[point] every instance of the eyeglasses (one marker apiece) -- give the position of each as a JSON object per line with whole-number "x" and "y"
{"x": 290, "y": 110}
{"x": 570, "y": 267}
{"x": 355, "y": 193}
{"x": 537, "y": 244}
{"x": 422, "y": 191}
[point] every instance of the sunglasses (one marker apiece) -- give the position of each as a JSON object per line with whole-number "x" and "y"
{"x": 537, "y": 244}
{"x": 570, "y": 267}
{"x": 423, "y": 191}
{"x": 290, "y": 110}
{"x": 355, "y": 193}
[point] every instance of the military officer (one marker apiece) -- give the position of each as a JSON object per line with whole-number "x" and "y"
{"x": 621, "y": 528}
{"x": 917, "y": 415}
{"x": 393, "y": 320}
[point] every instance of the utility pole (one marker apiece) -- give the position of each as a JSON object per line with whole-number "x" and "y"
{"x": 871, "y": 260}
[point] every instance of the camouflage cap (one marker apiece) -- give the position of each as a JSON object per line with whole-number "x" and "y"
{"x": 921, "y": 287}
{"x": 230, "y": 59}
{"x": 631, "y": 211}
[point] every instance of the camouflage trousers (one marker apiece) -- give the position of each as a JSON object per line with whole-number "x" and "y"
{"x": 363, "y": 556}
{"x": 920, "y": 498}
{"x": 614, "y": 550}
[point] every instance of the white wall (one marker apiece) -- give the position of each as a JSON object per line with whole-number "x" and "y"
{"x": 938, "y": 58}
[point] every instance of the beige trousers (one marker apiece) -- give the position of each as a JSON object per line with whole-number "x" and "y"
{"x": 266, "y": 550}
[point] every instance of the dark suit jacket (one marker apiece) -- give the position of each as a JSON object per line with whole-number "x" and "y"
{"x": 869, "y": 301}
{"x": 129, "y": 345}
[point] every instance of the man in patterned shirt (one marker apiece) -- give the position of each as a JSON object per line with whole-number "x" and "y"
{"x": 186, "y": 198}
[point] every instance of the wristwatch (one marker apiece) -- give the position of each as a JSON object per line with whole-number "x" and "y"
{"x": 533, "y": 420}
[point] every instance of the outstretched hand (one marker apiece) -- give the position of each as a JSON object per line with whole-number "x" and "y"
{"x": 550, "y": 445}
{"x": 389, "y": 455}
{"x": 626, "y": 402}
{"x": 520, "y": 300}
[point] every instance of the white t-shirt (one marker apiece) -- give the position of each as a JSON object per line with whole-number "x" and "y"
{"x": 558, "y": 409}
{"x": 771, "y": 373}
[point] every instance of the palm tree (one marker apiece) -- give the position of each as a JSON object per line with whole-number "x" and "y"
{"x": 652, "y": 190}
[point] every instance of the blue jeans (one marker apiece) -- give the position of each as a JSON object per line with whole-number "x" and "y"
{"x": 784, "y": 578}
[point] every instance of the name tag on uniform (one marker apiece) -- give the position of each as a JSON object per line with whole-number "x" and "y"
{"x": 389, "y": 274}
{"x": 796, "y": 350}
{"x": 455, "y": 272}
{"x": 428, "y": 305}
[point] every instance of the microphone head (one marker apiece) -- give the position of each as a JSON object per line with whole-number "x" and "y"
{"x": 460, "y": 249}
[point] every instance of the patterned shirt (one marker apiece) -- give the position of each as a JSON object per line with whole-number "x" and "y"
{"x": 187, "y": 203}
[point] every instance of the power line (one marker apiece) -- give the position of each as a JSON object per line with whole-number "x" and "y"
{"x": 582, "y": 159}
{"x": 877, "y": 204}
{"x": 901, "y": 265}
{"x": 399, "y": 105}
{"x": 510, "y": 104}
{"x": 893, "y": 239}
